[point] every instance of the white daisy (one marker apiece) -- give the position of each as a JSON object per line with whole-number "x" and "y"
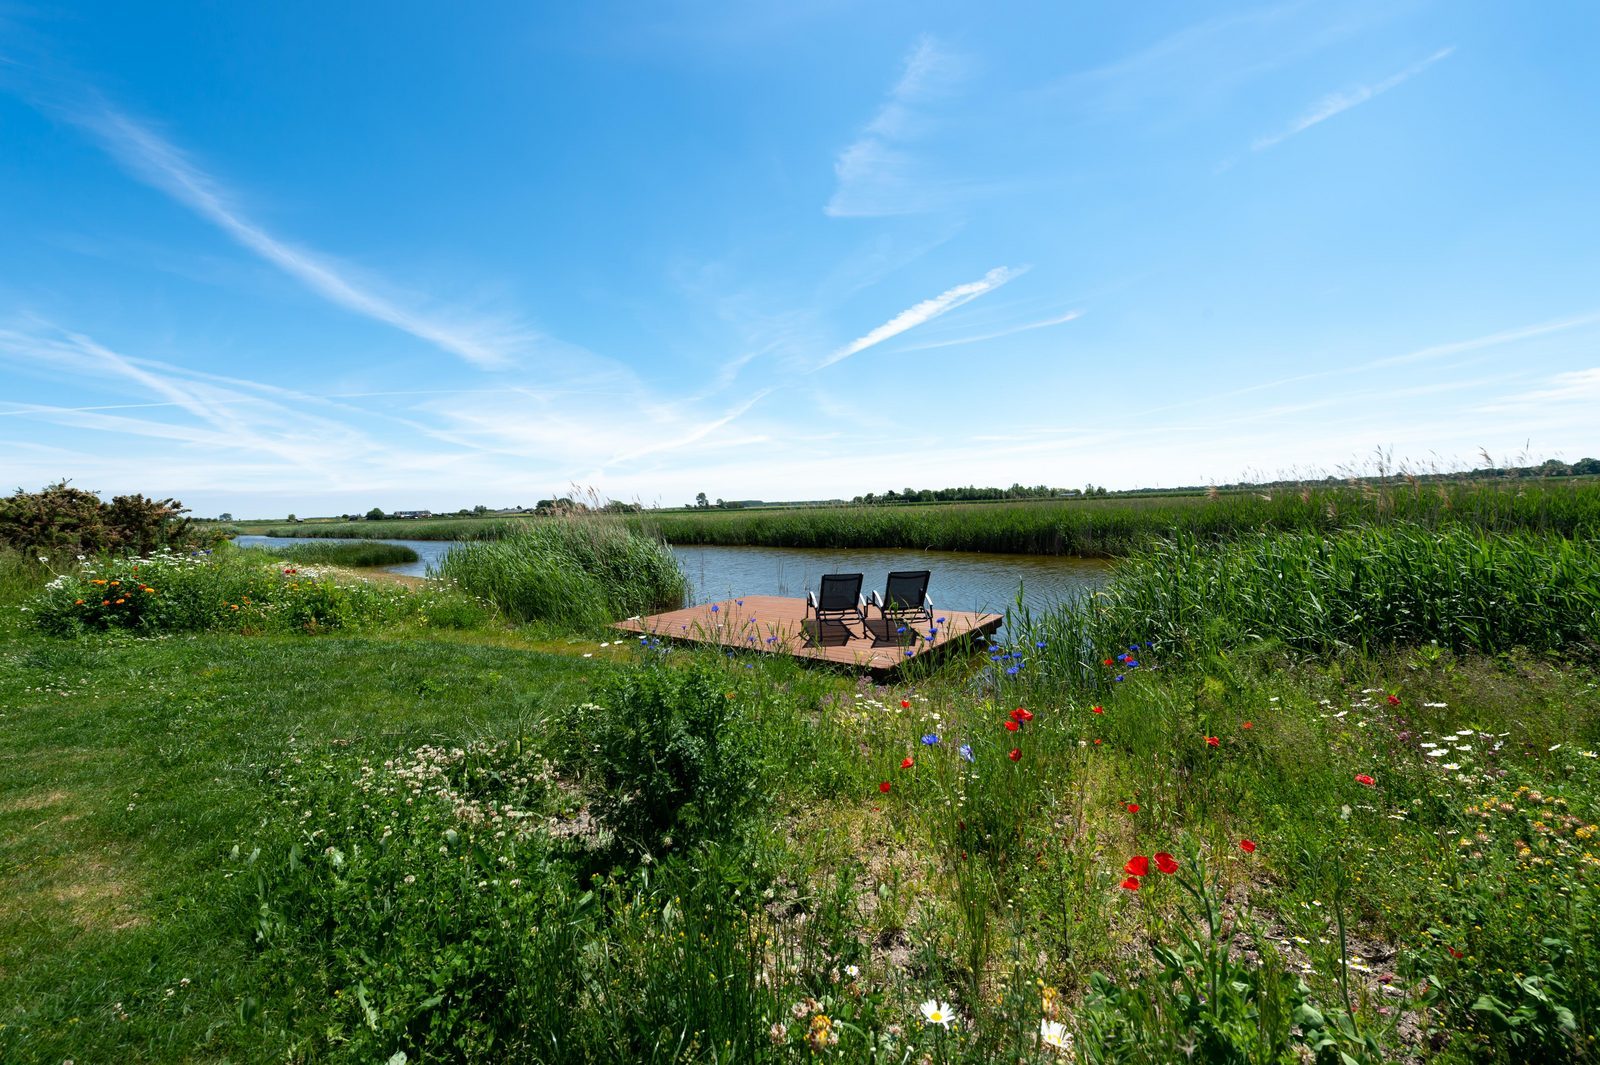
{"x": 1054, "y": 1034}
{"x": 936, "y": 1012}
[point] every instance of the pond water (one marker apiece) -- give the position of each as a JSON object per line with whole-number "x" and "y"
{"x": 962, "y": 580}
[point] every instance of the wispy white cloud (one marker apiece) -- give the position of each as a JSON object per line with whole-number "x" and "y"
{"x": 1046, "y": 323}
{"x": 926, "y": 311}
{"x": 1508, "y": 336}
{"x": 694, "y": 435}
{"x": 1576, "y": 386}
{"x": 236, "y": 420}
{"x": 1339, "y": 102}
{"x": 877, "y": 173}
{"x": 161, "y": 164}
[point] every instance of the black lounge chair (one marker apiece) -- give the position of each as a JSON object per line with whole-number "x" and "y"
{"x": 838, "y": 600}
{"x": 905, "y": 598}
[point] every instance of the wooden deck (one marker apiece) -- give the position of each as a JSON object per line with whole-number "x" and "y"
{"x": 775, "y": 625}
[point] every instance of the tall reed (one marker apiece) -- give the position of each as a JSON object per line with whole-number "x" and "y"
{"x": 1362, "y": 589}
{"x": 577, "y": 572}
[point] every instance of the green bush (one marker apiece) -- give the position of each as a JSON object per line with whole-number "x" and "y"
{"x": 574, "y": 572}
{"x": 667, "y": 754}
{"x": 168, "y": 592}
{"x": 62, "y": 520}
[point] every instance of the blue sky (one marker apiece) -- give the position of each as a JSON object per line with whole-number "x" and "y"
{"x": 319, "y": 257}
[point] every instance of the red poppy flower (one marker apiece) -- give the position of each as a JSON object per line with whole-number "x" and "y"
{"x": 1107, "y": 662}
{"x": 1016, "y": 754}
{"x": 1212, "y": 741}
{"x": 1247, "y": 845}
{"x": 1019, "y": 714}
{"x": 1098, "y": 742}
{"x": 1166, "y": 862}
{"x": 1132, "y": 883}
{"x": 1362, "y": 778}
{"x": 1138, "y": 865}
{"x": 907, "y": 763}
{"x": 1454, "y": 953}
{"x": 1133, "y": 807}
{"x": 1394, "y": 700}
{"x": 905, "y": 704}
{"x": 1247, "y": 724}
{"x": 884, "y": 787}
{"x": 1097, "y": 709}
{"x": 1012, "y": 726}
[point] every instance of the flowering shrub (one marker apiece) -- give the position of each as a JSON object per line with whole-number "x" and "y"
{"x": 170, "y": 592}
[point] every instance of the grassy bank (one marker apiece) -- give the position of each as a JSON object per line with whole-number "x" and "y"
{"x": 1195, "y": 819}
{"x": 1110, "y": 527}
{"x": 356, "y": 555}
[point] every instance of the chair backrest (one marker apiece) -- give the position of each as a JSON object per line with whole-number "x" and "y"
{"x": 906, "y": 589}
{"x": 840, "y": 591}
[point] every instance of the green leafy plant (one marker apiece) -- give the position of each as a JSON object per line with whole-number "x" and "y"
{"x": 1209, "y": 1005}
{"x": 667, "y": 754}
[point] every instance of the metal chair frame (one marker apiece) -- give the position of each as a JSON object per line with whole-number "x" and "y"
{"x": 838, "y": 599}
{"x": 905, "y": 597}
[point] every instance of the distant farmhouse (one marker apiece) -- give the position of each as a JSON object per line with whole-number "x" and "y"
{"x": 411, "y": 514}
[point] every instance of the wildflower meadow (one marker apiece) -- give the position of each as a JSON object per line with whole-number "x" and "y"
{"x": 1289, "y": 796}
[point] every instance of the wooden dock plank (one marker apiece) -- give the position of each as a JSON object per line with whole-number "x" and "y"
{"x": 778, "y": 625}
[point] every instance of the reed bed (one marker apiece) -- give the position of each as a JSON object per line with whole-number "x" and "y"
{"x": 576, "y": 572}
{"x": 395, "y": 529}
{"x": 1093, "y": 528}
{"x": 1363, "y": 590}
{"x": 1116, "y": 527}
{"x": 358, "y": 554}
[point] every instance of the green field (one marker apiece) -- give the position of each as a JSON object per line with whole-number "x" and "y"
{"x": 1287, "y": 797}
{"x": 1102, "y": 527}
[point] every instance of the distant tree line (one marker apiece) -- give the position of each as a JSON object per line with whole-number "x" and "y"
{"x": 971, "y": 494}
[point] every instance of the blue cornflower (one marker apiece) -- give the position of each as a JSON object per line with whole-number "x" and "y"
{"x": 930, "y": 739}
{"x": 1040, "y": 645}
{"x": 965, "y": 751}
{"x": 901, "y": 630}
{"x": 1134, "y": 664}
{"x": 772, "y": 639}
{"x": 1011, "y": 672}
{"x": 1119, "y": 676}
{"x": 740, "y": 602}
{"x": 939, "y": 620}
{"x": 909, "y": 653}
{"x": 715, "y": 608}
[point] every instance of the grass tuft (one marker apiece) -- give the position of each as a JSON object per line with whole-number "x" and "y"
{"x": 577, "y": 572}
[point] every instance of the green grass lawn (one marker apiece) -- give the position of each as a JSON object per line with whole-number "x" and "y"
{"x": 128, "y": 771}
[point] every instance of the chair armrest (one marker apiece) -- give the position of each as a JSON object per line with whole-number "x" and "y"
{"x": 811, "y": 600}
{"x": 875, "y": 601}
